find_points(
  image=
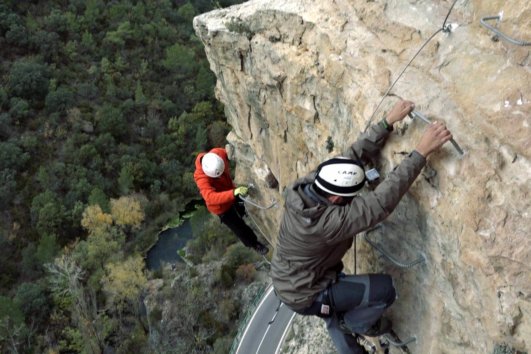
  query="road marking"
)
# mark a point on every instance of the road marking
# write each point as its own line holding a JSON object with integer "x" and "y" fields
{"x": 285, "y": 333}
{"x": 265, "y": 333}
{"x": 252, "y": 317}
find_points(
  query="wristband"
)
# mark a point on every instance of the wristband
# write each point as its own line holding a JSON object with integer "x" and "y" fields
{"x": 386, "y": 125}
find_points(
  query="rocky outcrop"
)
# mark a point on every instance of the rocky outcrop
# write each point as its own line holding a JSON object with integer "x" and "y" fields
{"x": 300, "y": 79}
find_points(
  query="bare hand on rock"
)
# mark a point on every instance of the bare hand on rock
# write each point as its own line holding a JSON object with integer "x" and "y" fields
{"x": 399, "y": 111}
{"x": 434, "y": 137}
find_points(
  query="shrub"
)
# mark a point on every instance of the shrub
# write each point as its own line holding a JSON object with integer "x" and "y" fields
{"x": 246, "y": 273}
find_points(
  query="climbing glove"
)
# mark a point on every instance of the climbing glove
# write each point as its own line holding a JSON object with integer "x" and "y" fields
{"x": 241, "y": 191}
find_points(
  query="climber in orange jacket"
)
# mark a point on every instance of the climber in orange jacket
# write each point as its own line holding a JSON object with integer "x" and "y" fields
{"x": 212, "y": 176}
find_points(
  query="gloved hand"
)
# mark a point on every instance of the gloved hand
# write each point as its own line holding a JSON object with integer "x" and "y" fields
{"x": 241, "y": 191}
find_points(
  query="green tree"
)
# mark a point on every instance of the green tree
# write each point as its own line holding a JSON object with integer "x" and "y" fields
{"x": 48, "y": 213}
{"x": 94, "y": 10}
{"x": 17, "y": 34}
{"x": 48, "y": 44}
{"x": 179, "y": 60}
{"x": 140, "y": 98}
{"x": 210, "y": 237}
{"x": 204, "y": 83}
{"x": 59, "y": 100}
{"x": 12, "y": 327}
{"x": 3, "y": 97}
{"x": 88, "y": 44}
{"x": 104, "y": 245}
{"x": 8, "y": 308}
{"x": 57, "y": 21}
{"x": 238, "y": 254}
{"x": 32, "y": 300}
{"x": 186, "y": 12}
{"x": 8, "y": 187}
{"x": 123, "y": 33}
{"x": 19, "y": 109}
{"x": 98, "y": 197}
{"x": 47, "y": 248}
{"x": 111, "y": 120}
{"x": 126, "y": 178}
{"x": 29, "y": 79}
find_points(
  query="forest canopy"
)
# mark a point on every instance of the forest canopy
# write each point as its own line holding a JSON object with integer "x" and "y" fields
{"x": 103, "y": 107}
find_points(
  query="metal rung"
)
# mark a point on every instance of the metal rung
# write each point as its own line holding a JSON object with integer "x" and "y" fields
{"x": 388, "y": 256}
{"x": 394, "y": 343}
{"x": 250, "y": 202}
{"x": 422, "y": 117}
{"x": 499, "y": 33}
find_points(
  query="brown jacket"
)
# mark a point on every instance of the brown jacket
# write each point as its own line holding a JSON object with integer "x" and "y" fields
{"x": 314, "y": 237}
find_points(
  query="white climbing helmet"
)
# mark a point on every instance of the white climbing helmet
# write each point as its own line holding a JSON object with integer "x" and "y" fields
{"x": 213, "y": 165}
{"x": 340, "y": 176}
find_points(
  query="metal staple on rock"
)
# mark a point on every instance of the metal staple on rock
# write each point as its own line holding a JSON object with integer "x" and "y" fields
{"x": 388, "y": 256}
{"x": 397, "y": 343}
{"x": 248, "y": 201}
{"x": 422, "y": 117}
{"x": 444, "y": 28}
{"x": 499, "y": 33}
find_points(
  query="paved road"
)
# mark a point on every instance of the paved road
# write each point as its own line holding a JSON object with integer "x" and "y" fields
{"x": 260, "y": 336}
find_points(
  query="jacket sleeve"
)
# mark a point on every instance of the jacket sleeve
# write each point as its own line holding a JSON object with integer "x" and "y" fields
{"x": 369, "y": 144}
{"x": 368, "y": 210}
{"x": 209, "y": 193}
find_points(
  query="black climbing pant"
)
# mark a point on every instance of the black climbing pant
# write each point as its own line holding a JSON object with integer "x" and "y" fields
{"x": 356, "y": 303}
{"x": 233, "y": 218}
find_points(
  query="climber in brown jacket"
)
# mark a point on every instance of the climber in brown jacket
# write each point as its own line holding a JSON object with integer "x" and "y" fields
{"x": 323, "y": 213}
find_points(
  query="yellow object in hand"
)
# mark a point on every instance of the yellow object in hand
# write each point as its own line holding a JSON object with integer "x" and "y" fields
{"x": 241, "y": 190}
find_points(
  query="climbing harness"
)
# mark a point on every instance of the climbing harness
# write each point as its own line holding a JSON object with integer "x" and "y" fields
{"x": 387, "y": 255}
{"x": 498, "y": 33}
{"x": 446, "y": 28}
{"x": 418, "y": 115}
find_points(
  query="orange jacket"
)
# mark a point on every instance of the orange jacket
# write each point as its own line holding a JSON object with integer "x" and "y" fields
{"x": 218, "y": 193}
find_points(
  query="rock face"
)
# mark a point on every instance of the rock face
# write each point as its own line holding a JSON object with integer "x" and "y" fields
{"x": 299, "y": 80}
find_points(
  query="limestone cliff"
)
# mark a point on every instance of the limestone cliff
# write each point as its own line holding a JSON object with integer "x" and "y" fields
{"x": 299, "y": 80}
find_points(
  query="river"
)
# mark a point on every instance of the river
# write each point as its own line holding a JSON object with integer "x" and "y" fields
{"x": 170, "y": 241}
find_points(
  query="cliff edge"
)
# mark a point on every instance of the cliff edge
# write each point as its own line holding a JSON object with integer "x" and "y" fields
{"x": 300, "y": 80}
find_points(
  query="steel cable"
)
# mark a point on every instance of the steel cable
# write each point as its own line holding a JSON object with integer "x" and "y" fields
{"x": 443, "y": 28}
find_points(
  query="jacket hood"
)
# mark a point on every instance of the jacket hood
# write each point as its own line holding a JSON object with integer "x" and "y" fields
{"x": 298, "y": 202}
